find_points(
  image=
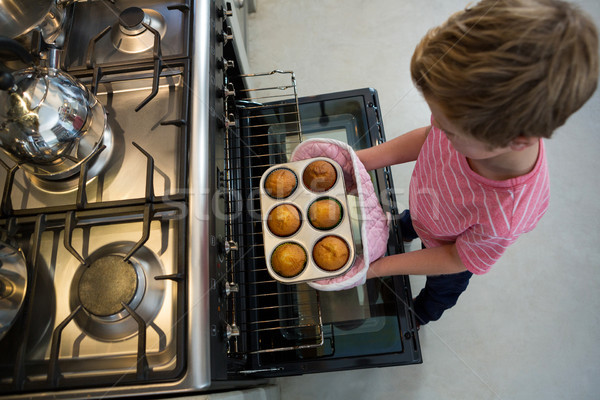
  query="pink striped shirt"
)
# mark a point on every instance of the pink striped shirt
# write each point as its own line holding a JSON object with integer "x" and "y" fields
{"x": 450, "y": 203}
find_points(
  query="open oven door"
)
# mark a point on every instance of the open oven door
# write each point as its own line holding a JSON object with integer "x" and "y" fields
{"x": 294, "y": 329}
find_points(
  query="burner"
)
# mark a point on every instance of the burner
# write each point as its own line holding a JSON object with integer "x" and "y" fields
{"x": 107, "y": 282}
{"x": 129, "y": 35}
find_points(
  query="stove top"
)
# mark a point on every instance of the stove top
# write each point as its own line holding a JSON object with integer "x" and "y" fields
{"x": 109, "y": 298}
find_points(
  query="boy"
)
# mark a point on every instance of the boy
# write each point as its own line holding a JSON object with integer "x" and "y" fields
{"x": 498, "y": 77}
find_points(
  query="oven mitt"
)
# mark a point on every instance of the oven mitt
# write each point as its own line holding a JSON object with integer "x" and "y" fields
{"x": 374, "y": 230}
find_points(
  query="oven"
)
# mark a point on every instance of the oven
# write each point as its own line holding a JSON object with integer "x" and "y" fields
{"x": 146, "y": 270}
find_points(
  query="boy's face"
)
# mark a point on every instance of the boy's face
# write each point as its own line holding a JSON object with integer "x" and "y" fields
{"x": 462, "y": 142}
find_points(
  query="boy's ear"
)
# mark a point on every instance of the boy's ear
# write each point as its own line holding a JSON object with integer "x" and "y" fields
{"x": 522, "y": 142}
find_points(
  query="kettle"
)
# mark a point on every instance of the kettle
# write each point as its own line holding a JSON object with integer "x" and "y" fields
{"x": 49, "y": 122}
{"x": 13, "y": 285}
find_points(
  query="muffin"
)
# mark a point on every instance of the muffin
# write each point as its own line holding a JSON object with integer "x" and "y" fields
{"x": 331, "y": 253}
{"x": 325, "y": 213}
{"x": 319, "y": 176}
{"x": 288, "y": 259}
{"x": 280, "y": 183}
{"x": 284, "y": 220}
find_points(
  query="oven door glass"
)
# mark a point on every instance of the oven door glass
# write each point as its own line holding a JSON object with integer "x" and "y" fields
{"x": 367, "y": 326}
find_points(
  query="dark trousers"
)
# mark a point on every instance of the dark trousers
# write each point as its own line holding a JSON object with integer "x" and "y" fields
{"x": 441, "y": 292}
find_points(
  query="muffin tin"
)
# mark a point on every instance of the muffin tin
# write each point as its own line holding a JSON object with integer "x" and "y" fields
{"x": 307, "y": 235}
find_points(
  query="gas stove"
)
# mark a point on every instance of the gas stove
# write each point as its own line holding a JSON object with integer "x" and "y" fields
{"x": 147, "y": 271}
{"x": 109, "y": 301}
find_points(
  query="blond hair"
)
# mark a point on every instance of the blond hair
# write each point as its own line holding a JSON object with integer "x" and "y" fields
{"x": 509, "y": 68}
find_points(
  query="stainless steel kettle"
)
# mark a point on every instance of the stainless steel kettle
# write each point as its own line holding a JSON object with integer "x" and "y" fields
{"x": 49, "y": 122}
{"x": 13, "y": 285}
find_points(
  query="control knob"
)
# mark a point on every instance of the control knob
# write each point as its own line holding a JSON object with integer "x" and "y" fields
{"x": 229, "y": 121}
{"x": 225, "y": 64}
{"x": 226, "y": 11}
{"x": 226, "y": 91}
{"x": 232, "y": 331}
{"x": 225, "y": 36}
{"x": 230, "y": 246}
{"x": 226, "y": 246}
{"x": 231, "y": 288}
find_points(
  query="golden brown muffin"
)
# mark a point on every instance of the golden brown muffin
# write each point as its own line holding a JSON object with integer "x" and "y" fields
{"x": 280, "y": 183}
{"x": 325, "y": 213}
{"x": 319, "y": 176}
{"x": 284, "y": 220}
{"x": 288, "y": 259}
{"x": 331, "y": 253}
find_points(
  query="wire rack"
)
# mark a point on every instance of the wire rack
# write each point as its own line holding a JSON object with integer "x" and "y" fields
{"x": 270, "y": 316}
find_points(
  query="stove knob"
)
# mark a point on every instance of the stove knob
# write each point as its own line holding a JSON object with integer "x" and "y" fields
{"x": 230, "y": 246}
{"x": 229, "y": 122}
{"x": 231, "y": 288}
{"x": 225, "y": 246}
{"x": 232, "y": 330}
{"x": 225, "y": 36}
{"x": 226, "y": 11}
{"x": 226, "y": 91}
{"x": 225, "y": 64}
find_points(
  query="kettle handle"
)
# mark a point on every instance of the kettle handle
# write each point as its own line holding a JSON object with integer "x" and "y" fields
{"x": 12, "y": 46}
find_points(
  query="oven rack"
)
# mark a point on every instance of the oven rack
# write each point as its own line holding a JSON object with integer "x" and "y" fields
{"x": 263, "y": 128}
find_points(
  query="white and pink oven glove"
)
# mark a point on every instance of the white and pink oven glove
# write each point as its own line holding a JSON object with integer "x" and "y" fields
{"x": 374, "y": 223}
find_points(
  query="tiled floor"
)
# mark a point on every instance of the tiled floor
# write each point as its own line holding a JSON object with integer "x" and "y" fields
{"x": 529, "y": 329}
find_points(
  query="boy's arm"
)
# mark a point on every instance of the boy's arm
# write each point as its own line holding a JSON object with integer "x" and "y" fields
{"x": 434, "y": 261}
{"x": 402, "y": 149}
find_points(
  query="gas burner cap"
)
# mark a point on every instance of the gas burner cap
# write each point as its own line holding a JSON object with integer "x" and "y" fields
{"x": 107, "y": 281}
{"x": 106, "y": 285}
{"x": 129, "y": 35}
{"x": 131, "y": 17}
